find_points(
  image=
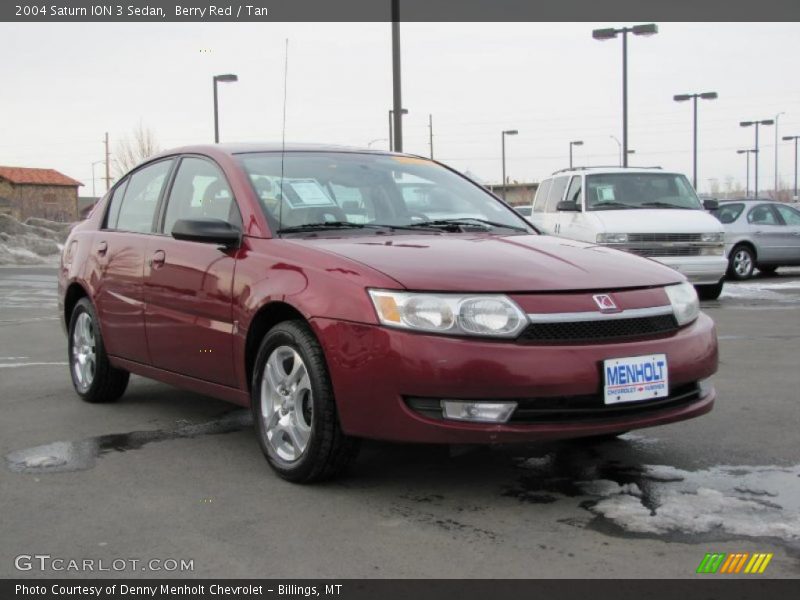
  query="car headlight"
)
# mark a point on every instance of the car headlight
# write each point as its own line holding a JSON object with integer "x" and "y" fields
{"x": 685, "y": 304}
{"x": 717, "y": 237}
{"x": 612, "y": 238}
{"x": 454, "y": 314}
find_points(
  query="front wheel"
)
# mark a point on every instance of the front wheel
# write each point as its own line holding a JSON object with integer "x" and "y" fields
{"x": 741, "y": 263}
{"x": 93, "y": 377}
{"x": 709, "y": 292}
{"x": 294, "y": 410}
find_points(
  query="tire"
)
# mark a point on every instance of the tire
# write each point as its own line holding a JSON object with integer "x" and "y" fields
{"x": 741, "y": 263}
{"x": 768, "y": 269}
{"x": 294, "y": 410}
{"x": 709, "y": 292}
{"x": 93, "y": 377}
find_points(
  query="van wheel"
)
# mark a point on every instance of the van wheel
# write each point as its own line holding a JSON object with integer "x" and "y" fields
{"x": 294, "y": 409}
{"x": 93, "y": 377}
{"x": 741, "y": 263}
{"x": 709, "y": 292}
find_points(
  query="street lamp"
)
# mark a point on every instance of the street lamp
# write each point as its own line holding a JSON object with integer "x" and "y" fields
{"x": 610, "y": 33}
{"x": 227, "y": 78}
{"x": 747, "y": 181}
{"x": 391, "y": 127}
{"x": 571, "y": 144}
{"x": 788, "y": 138}
{"x": 503, "y": 143}
{"x": 755, "y": 149}
{"x": 694, "y": 97}
{"x": 778, "y": 116}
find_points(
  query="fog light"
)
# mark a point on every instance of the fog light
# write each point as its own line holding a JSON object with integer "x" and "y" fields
{"x": 480, "y": 412}
{"x": 705, "y": 387}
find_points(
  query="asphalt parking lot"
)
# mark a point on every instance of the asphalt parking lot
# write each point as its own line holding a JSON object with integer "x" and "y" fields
{"x": 167, "y": 474}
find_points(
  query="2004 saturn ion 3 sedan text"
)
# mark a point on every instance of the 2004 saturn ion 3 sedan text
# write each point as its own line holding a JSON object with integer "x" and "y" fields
{"x": 347, "y": 294}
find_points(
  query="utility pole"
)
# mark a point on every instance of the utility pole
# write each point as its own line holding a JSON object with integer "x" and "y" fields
{"x": 397, "y": 93}
{"x": 430, "y": 132}
{"x": 108, "y": 165}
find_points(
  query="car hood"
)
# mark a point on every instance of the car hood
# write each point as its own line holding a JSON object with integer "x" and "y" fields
{"x": 489, "y": 263}
{"x": 657, "y": 220}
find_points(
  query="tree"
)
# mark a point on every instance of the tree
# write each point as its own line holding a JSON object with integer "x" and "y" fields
{"x": 133, "y": 149}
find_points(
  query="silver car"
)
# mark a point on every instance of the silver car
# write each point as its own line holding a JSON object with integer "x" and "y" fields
{"x": 759, "y": 234}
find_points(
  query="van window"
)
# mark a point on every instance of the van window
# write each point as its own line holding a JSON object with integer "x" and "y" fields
{"x": 574, "y": 191}
{"x": 556, "y": 193}
{"x": 620, "y": 191}
{"x": 540, "y": 201}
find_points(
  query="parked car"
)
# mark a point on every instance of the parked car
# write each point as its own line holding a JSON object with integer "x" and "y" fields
{"x": 759, "y": 234}
{"x": 645, "y": 211}
{"x": 237, "y": 272}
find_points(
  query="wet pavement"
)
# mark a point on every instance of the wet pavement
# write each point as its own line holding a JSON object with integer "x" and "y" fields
{"x": 167, "y": 473}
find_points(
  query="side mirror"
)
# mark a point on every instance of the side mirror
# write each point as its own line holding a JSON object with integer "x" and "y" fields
{"x": 209, "y": 231}
{"x": 565, "y": 206}
{"x": 710, "y": 204}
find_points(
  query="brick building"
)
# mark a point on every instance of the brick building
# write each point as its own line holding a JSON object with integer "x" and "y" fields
{"x": 44, "y": 193}
{"x": 517, "y": 194}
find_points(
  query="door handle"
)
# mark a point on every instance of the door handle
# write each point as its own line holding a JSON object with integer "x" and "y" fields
{"x": 158, "y": 258}
{"x": 102, "y": 248}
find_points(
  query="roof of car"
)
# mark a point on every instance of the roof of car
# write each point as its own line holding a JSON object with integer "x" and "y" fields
{"x": 608, "y": 169}
{"x": 243, "y": 148}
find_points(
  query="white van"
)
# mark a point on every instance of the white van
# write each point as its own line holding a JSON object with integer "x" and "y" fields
{"x": 647, "y": 211}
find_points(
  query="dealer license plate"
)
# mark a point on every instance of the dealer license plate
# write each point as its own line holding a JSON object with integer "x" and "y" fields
{"x": 635, "y": 378}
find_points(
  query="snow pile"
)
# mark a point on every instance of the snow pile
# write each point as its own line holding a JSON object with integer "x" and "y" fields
{"x": 34, "y": 242}
{"x": 757, "y": 501}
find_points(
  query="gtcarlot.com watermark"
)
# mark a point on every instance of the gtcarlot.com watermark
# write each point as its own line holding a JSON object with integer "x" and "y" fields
{"x": 46, "y": 562}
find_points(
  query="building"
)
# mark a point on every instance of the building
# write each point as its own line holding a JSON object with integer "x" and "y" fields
{"x": 517, "y": 194}
{"x": 43, "y": 193}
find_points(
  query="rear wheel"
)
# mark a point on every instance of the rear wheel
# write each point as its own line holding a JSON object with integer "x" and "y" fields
{"x": 294, "y": 410}
{"x": 709, "y": 292}
{"x": 93, "y": 377}
{"x": 741, "y": 263}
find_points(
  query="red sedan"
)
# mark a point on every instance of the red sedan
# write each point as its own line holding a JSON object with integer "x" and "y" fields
{"x": 347, "y": 294}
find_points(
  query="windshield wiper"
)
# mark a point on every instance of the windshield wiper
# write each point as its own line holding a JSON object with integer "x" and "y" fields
{"x": 321, "y": 226}
{"x": 663, "y": 205}
{"x": 611, "y": 204}
{"x": 450, "y": 224}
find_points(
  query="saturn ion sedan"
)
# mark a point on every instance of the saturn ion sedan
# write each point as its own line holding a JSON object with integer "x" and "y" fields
{"x": 346, "y": 294}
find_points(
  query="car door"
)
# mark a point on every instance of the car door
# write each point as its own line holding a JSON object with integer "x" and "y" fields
{"x": 766, "y": 228}
{"x": 790, "y": 239}
{"x": 119, "y": 250}
{"x": 188, "y": 285}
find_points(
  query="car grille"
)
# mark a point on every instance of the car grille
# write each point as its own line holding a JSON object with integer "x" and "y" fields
{"x": 665, "y": 237}
{"x": 569, "y": 408}
{"x": 662, "y": 250}
{"x": 598, "y": 331}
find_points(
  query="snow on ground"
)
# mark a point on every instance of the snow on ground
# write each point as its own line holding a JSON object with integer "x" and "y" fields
{"x": 34, "y": 242}
{"x": 762, "y": 289}
{"x": 753, "y": 501}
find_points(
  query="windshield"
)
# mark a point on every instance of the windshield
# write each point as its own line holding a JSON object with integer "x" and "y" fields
{"x": 619, "y": 191}
{"x": 348, "y": 192}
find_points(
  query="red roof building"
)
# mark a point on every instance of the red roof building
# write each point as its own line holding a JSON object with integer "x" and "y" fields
{"x": 45, "y": 193}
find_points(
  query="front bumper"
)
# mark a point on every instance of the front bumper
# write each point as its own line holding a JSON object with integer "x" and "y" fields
{"x": 375, "y": 370}
{"x": 699, "y": 270}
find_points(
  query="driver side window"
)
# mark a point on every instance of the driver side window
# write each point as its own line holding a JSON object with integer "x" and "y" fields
{"x": 200, "y": 191}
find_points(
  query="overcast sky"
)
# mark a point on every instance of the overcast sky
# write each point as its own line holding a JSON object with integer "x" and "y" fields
{"x": 64, "y": 85}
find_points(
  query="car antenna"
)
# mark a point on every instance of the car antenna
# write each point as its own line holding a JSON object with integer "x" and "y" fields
{"x": 283, "y": 133}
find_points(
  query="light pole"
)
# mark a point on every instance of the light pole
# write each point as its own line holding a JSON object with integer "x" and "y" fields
{"x": 571, "y": 144}
{"x": 778, "y": 116}
{"x": 747, "y": 181}
{"x": 227, "y": 78}
{"x": 397, "y": 96}
{"x": 391, "y": 128}
{"x": 755, "y": 149}
{"x": 788, "y": 138}
{"x": 97, "y": 162}
{"x": 694, "y": 97}
{"x": 503, "y": 143}
{"x": 619, "y": 146}
{"x": 611, "y": 33}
